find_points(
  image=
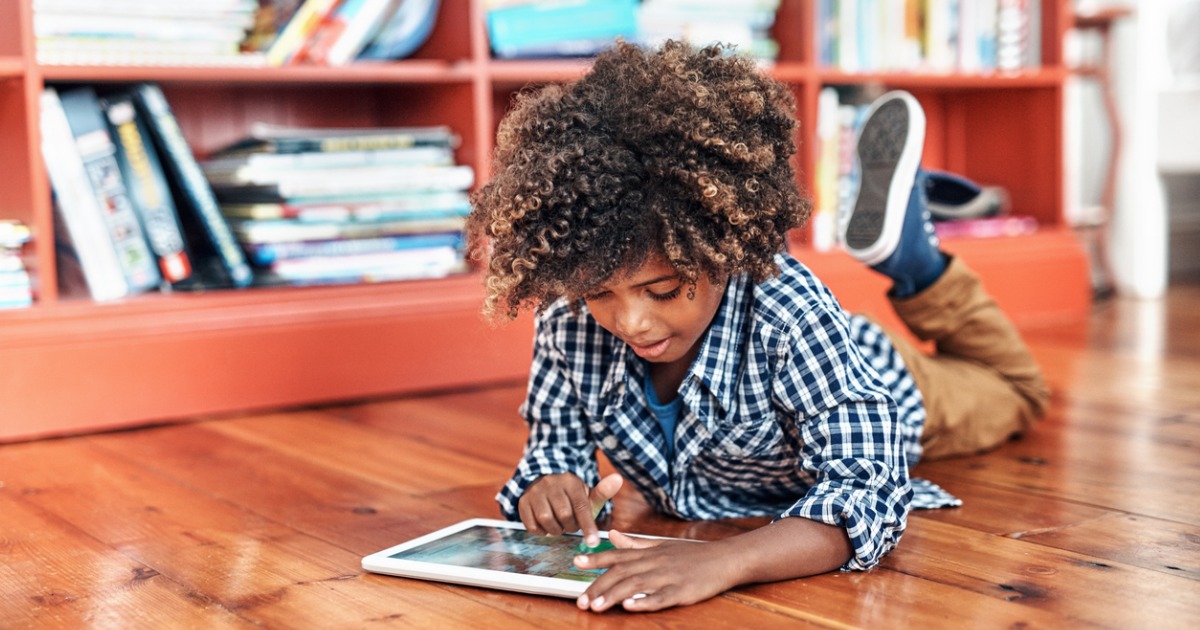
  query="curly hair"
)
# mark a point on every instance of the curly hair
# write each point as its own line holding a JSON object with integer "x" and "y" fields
{"x": 677, "y": 152}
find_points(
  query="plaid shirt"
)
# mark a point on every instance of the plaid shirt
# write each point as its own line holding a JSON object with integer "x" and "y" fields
{"x": 791, "y": 408}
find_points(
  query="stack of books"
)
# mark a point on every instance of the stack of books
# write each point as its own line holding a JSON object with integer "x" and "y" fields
{"x": 743, "y": 24}
{"x": 928, "y": 35}
{"x": 135, "y": 213}
{"x": 137, "y": 33}
{"x": 331, "y": 206}
{"x": 15, "y": 289}
{"x": 580, "y": 28}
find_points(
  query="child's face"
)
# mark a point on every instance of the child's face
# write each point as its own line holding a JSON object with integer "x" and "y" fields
{"x": 650, "y": 310}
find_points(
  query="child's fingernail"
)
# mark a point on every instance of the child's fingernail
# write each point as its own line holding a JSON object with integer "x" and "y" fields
{"x": 598, "y": 603}
{"x": 581, "y": 560}
{"x": 582, "y": 602}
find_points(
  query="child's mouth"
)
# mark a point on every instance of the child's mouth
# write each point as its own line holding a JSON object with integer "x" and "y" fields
{"x": 652, "y": 351}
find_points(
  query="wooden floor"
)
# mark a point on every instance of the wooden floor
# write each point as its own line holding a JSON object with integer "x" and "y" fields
{"x": 1093, "y": 520}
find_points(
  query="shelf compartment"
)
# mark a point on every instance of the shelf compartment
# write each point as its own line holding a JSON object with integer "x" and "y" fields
{"x": 161, "y": 358}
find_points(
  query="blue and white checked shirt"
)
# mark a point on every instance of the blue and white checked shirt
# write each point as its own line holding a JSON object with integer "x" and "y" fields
{"x": 791, "y": 408}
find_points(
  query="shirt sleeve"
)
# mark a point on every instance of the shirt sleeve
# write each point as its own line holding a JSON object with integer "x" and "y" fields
{"x": 559, "y": 440}
{"x": 851, "y": 445}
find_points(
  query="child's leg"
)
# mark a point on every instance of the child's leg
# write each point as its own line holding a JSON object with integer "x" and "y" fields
{"x": 983, "y": 385}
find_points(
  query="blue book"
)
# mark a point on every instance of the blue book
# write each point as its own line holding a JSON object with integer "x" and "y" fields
{"x": 404, "y": 32}
{"x": 541, "y": 25}
{"x": 98, "y": 153}
{"x": 212, "y": 240}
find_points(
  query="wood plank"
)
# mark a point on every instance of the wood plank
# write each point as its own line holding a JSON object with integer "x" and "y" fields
{"x": 1169, "y": 547}
{"x": 263, "y": 571}
{"x": 55, "y": 576}
{"x": 884, "y": 598}
{"x": 1142, "y": 471}
{"x": 359, "y": 515}
{"x": 1076, "y": 586}
{"x": 359, "y": 450}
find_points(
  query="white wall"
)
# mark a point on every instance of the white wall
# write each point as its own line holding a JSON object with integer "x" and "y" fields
{"x": 1138, "y": 223}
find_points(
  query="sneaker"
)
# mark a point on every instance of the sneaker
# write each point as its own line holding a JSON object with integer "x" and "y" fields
{"x": 889, "y": 227}
{"x": 953, "y": 196}
{"x": 888, "y": 148}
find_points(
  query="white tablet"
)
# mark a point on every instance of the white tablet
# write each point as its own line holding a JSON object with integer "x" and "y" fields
{"x": 494, "y": 554}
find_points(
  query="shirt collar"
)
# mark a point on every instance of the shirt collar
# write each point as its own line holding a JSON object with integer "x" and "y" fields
{"x": 716, "y": 365}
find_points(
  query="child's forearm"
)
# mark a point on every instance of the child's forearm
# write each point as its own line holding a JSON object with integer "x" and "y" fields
{"x": 788, "y": 548}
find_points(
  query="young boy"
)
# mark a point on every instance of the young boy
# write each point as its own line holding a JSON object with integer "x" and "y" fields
{"x": 642, "y": 211}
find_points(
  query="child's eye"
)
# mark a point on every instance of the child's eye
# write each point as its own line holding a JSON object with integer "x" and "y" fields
{"x": 665, "y": 297}
{"x": 596, "y": 296}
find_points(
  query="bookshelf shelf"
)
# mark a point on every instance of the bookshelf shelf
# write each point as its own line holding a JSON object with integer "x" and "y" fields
{"x": 419, "y": 71}
{"x": 72, "y": 365}
{"x": 1045, "y": 77}
{"x": 11, "y": 67}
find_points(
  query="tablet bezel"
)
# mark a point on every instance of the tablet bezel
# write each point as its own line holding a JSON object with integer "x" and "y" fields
{"x": 382, "y": 562}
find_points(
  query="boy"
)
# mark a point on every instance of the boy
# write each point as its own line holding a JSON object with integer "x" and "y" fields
{"x": 642, "y": 211}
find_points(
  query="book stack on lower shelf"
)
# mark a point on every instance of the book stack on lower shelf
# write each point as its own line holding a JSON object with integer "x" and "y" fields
{"x": 15, "y": 288}
{"x": 333, "y": 206}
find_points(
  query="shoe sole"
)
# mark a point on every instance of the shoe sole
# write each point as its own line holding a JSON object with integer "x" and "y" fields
{"x": 889, "y": 152}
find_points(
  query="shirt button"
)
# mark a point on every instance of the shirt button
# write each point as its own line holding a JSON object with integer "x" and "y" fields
{"x": 609, "y": 443}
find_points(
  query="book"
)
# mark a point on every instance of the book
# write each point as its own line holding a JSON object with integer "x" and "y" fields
{"x": 986, "y": 227}
{"x": 264, "y": 254}
{"x": 406, "y": 29}
{"x": 211, "y": 239}
{"x": 147, "y": 186}
{"x": 283, "y": 231}
{"x": 406, "y": 264}
{"x": 79, "y": 229}
{"x": 350, "y": 28}
{"x": 383, "y": 209}
{"x": 299, "y": 28}
{"x": 98, "y": 152}
{"x": 517, "y": 27}
{"x": 267, "y": 138}
{"x": 365, "y": 183}
{"x": 256, "y": 167}
{"x": 16, "y": 290}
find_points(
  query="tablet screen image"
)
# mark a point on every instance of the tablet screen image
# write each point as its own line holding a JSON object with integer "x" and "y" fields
{"x": 493, "y": 554}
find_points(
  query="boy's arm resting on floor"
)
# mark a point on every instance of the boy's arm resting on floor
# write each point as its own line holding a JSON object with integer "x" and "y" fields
{"x": 850, "y": 445}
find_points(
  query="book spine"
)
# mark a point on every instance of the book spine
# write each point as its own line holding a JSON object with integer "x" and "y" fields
{"x": 404, "y": 31}
{"x": 82, "y": 225}
{"x": 268, "y": 253}
{"x": 359, "y": 30}
{"x": 298, "y": 30}
{"x": 182, "y": 166}
{"x": 147, "y": 187}
{"x": 98, "y": 152}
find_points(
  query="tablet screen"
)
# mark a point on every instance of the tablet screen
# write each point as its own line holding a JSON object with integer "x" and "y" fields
{"x": 507, "y": 550}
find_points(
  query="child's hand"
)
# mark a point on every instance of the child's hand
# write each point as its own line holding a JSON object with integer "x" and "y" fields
{"x": 563, "y": 503}
{"x": 646, "y": 574}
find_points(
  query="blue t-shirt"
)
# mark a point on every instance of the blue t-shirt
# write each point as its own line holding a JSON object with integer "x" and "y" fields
{"x": 667, "y": 415}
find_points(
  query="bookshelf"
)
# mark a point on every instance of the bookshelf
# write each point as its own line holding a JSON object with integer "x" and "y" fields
{"x": 72, "y": 365}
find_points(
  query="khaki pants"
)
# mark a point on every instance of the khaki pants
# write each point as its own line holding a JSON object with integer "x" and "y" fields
{"x": 981, "y": 386}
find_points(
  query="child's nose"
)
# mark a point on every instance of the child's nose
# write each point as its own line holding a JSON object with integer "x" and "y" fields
{"x": 632, "y": 322}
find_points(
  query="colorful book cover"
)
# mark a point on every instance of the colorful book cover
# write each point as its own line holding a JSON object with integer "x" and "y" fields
{"x": 198, "y": 209}
{"x": 98, "y": 152}
{"x": 147, "y": 187}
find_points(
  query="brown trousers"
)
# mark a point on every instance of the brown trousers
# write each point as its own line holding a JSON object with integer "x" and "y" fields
{"x": 981, "y": 386}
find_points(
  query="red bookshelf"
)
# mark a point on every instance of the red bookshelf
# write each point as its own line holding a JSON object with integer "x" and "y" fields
{"x": 71, "y": 366}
